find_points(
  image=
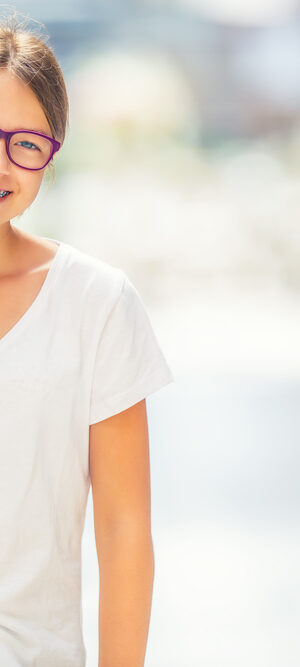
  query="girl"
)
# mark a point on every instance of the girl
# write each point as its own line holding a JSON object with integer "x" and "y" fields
{"x": 78, "y": 356}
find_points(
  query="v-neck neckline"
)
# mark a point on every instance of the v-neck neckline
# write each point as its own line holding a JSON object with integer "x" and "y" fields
{"x": 18, "y": 326}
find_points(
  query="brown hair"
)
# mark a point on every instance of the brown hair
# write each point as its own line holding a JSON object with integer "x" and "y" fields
{"x": 28, "y": 56}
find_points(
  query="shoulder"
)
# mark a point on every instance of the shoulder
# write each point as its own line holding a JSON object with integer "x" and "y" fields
{"x": 92, "y": 276}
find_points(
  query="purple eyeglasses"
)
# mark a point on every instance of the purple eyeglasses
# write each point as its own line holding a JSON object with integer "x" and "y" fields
{"x": 26, "y": 158}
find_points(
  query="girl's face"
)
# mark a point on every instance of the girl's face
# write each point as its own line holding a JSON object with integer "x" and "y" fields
{"x": 19, "y": 110}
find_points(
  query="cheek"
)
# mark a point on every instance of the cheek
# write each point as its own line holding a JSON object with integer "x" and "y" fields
{"x": 25, "y": 191}
{"x": 29, "y": 185}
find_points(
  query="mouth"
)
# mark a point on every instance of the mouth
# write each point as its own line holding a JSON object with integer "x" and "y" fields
{"x": 4, "y": 193}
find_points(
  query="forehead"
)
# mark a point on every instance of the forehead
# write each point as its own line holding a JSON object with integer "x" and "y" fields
{"x": 20, "y": 107}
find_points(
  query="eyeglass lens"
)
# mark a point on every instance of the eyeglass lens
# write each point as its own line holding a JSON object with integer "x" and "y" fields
{"x": 29, "y": 150}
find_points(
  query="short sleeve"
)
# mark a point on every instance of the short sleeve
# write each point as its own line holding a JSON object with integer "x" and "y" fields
{"x": 129, "y": 363}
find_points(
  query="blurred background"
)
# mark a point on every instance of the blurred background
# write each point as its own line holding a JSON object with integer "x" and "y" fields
{"x": 182, "y": 166}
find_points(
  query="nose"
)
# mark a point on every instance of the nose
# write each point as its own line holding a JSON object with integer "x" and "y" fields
{"x": 4, "y": 159}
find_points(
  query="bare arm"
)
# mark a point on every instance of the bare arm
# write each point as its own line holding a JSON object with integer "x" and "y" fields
{"x": 120, "y": 479}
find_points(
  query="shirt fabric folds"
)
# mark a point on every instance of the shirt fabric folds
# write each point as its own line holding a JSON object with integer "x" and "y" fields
{"x": 83, "y": 351}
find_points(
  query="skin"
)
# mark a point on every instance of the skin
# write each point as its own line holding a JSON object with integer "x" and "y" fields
{"x": 120, "y": 479}
{"x": 24, "y": 258}
{"x": 118, "y": 446}
{"x": 19, "y": 251}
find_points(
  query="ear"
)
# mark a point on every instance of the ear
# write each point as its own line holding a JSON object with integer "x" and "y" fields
{"x": 50, "y": 172}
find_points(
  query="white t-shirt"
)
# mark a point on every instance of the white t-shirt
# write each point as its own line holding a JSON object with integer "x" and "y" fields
{"x": 83, "y": 351}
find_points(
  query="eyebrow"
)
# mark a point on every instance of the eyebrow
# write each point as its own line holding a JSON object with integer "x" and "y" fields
{"x": 31, "y": 129}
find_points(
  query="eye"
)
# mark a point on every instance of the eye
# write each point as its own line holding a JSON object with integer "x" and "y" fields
{"x": 28, "y": 144}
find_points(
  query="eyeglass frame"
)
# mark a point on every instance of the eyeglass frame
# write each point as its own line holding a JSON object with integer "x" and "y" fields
{"x": 7, "y": 136}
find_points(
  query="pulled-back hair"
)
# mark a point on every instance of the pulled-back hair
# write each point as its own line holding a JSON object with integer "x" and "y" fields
{"x": 28, "y": 56}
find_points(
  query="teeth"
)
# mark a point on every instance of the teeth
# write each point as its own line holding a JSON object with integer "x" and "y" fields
{"x": 4, "y": 192}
